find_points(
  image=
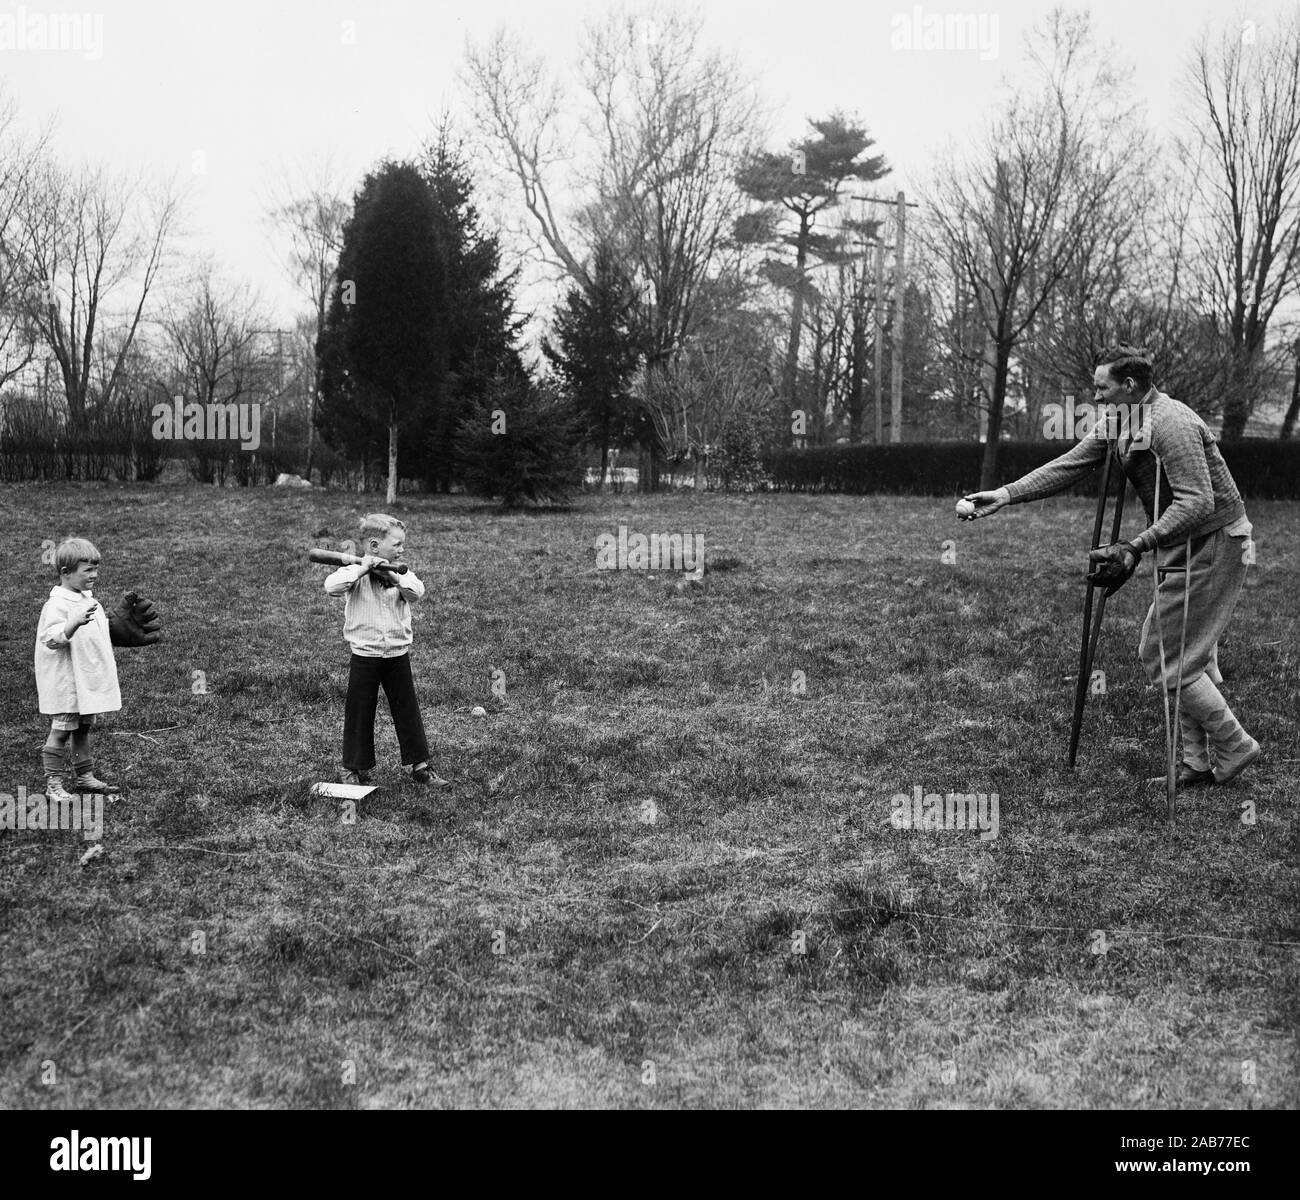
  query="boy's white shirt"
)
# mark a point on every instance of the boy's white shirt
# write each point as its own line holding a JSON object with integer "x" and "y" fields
{"x": 77, "y": 674}
{"x": 376, "y": 619}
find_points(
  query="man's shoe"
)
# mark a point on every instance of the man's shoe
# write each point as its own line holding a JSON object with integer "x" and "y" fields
{"x": 1189, "y": 776}
{"x": 427, "y": 777}
{"x": 356, "y": 778}
{"x": 1231, "y": 747}
{"x": 88, "y": 783}
{"x": 1227, "y": 768}
{"x": 1186, "y": 776}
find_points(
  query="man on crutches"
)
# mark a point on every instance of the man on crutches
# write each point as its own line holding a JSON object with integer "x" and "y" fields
{"x": 1197, "y": 516}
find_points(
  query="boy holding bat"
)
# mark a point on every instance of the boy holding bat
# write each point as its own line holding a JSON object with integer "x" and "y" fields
{"x": 377, "y": 626}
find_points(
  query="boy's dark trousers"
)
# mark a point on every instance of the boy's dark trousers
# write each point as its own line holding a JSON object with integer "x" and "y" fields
{"x": 364, "y": 678}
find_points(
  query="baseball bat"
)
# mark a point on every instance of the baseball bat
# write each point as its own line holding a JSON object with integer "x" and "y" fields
{"x": 334, "y": 558}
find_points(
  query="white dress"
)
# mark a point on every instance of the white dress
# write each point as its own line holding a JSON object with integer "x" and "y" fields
{"x": 77, "y": 674}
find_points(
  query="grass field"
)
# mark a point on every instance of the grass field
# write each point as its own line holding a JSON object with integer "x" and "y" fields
{"x": 662, "y": 875}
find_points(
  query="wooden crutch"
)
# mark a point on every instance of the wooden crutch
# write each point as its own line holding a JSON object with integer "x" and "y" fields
{"x": 1091, "y": 624}
{"x": 1173, "y": 734}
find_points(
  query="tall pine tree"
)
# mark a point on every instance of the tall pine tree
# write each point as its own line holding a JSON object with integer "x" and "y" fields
{"x": 383, "y": 353}
{"x": 481, "y": 352}
{"x": 793, "y": 189}
{"x": 596, "y": 350}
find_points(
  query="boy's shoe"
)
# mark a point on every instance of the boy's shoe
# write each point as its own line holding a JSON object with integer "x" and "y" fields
{"x": 54, "y": 790}
{"x": 355, "y": 777}
{"x": 427, "y": 777}
{"x": 88, "y": 783}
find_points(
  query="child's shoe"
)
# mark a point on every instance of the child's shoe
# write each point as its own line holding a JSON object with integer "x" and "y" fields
{"x": 54, "y": 790}
{"x": 425, "y": 776}
{"x": 88, "y": 783}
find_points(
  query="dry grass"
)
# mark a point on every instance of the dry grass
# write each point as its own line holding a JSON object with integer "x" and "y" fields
{"x": 650, "y": 817}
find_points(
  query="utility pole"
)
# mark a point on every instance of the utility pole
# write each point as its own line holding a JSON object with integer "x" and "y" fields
{"x": 896, "y": 359}
{"x": 879, "y": 308}
{"x": 901, "y": 205}
{"x": 990, "y": 345}
{"x": 857, "y": 407}
{"x": 859, "y": 353}
{"x": 959, "y": 318}
{"x": 645, "y": 472}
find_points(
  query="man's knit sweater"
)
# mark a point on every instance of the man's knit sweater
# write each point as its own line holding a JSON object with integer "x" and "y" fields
{"x": 1197, "y": 492}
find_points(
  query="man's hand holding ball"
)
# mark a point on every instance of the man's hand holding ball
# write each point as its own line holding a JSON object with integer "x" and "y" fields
{"x": 975, "y": 505}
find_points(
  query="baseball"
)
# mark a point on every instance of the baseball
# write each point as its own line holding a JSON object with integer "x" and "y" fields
{"x": 965, "y": 509}
{"x": 478, "y": 711}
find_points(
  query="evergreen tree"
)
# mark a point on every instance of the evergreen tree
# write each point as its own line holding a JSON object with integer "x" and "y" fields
{"x": 525, "y": 449}
{"x": 596, "y": 351}
{"x": 800, "y": 185}
{"x": 482, "y": 327}
{"x": 383, "y": 353}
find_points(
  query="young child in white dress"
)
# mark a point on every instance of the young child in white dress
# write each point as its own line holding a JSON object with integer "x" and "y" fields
{"x": 76, "y": 675}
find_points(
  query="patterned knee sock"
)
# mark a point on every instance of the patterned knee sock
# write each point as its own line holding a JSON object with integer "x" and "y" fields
{"x": 1229, "y": 742}
{"x": 1196, "y": 742}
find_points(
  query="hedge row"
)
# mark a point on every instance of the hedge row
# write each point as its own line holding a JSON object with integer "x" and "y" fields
{"x": 1264, "y": 469}
{"x": 94, "y": 456}
{"x": 91, "y": 456}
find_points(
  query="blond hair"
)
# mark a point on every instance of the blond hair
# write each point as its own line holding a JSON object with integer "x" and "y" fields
{"x": 72, "y": 551}
{"x": 378, "y": 525}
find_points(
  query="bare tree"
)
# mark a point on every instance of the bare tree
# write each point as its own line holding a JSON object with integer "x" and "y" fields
{"x": 213, "y": 341}
{"x": 1245, "y": 127}
{"x": 697, "y": 399}
{"x": 310, "y": 215}
{"x": 659, "y": 132}
{"x": 219, "y": 351}
{"x": 650, "y": 150}
{"x": 92, "y": 236}
{"x": 517, "y": 107}
{"x": 674, "y": 121}
{"x": 19, "y": 158}
{"x": 1138, "y": 290}
{"x": 1050, "y": 193}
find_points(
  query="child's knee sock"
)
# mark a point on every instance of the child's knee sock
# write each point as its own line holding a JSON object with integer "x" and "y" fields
{"x": 81, "y": 761}
{"x": 54, "y": 754}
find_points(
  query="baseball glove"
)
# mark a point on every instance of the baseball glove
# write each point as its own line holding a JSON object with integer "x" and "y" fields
{"x": 135, "y": 623}
{"x": 1115, "y": 565}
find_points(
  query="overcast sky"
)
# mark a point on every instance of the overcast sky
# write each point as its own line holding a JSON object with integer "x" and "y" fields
{"x": 257, "y": 86}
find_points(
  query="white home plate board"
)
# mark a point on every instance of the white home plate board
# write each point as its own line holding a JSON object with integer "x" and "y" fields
{"x": 344, "y": 791}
